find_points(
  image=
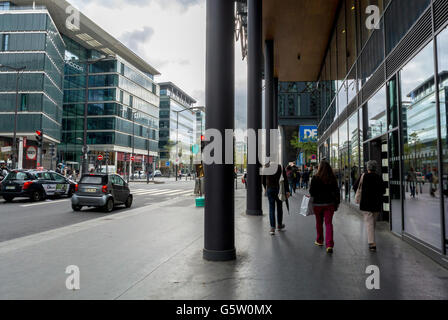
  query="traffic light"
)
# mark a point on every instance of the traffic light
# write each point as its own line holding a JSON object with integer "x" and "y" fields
{"x": 202, "y": 143}
{"x": 107, "y": 155}
{"x": 52, "y": 150}
{"x": 39, "y": 138}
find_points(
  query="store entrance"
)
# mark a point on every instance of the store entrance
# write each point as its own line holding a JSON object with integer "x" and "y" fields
{"x": 378, "y": 151}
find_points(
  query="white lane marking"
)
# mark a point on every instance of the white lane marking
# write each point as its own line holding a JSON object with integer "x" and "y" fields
{"x": 150, "y": 191}
{"x": 177, "y": 194}
{"x": 44, "y": 202}
{"x": 160, "y": 193}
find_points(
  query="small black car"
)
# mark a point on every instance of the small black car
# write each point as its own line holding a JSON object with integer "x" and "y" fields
{"x": 36, "y": 185}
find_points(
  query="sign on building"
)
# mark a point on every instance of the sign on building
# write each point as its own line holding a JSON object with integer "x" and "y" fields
{"x": 308, "y": 133}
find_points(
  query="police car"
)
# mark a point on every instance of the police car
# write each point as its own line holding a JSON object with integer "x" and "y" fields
{"x": 36, "y": 185}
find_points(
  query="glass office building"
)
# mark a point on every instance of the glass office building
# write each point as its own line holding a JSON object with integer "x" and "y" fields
{"x": 298, "y": 105}
{"x": 29, "y": 39}
{"x": 67, "y": 68}
{"x": 178, "y": 127}
{"x": 383, "y": 97}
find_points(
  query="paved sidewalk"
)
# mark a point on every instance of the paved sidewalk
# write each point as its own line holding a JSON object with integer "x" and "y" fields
{"x": 156, "y": 253}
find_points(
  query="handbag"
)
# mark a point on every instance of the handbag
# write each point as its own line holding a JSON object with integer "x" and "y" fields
{"x": 306, "y": 208}
{"x": 359, "y": 191}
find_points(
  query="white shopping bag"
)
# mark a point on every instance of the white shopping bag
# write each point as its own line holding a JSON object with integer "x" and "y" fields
{"x": 306, "y": 209}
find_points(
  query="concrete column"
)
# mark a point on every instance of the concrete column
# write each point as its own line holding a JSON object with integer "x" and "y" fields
{"x": 20, "y": 160}
{"x": 269, "y": 90}
{"x": 275, "y": 118}
{"x": 219, "y": 220}
{"x": 254, "y": 103}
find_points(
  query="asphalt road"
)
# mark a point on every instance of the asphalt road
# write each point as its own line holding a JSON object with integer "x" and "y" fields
{"x": 22, "y": 217}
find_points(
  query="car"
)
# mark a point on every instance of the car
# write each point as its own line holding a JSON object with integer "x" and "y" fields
{"x": 101, "y": 190}
{"x": 36, "y": 185}
{"x": 157, "y": 173}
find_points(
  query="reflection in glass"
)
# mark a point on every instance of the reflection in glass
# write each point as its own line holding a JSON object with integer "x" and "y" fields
{"x": 420, "y": 155}
{"x": 376, "y": 110}
{"x": 343, "y": 154}
{"x": 353, "y": 135}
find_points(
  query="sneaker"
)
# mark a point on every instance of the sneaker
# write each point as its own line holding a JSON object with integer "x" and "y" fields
{"x": 281, "y": 228}
{"x": 272, "y": 232}
{"x": 329, "y": 250}
{"x": 318, "y": 244}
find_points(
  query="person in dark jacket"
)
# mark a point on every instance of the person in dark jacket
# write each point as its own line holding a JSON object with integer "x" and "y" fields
{"x": 290, "y": 174}
{"x": 372, "y": 191}
{"x": 326, "y": 198}
{"x": 272, "y": 186}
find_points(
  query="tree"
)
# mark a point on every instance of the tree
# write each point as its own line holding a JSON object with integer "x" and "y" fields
{"x": 308, "y": 147}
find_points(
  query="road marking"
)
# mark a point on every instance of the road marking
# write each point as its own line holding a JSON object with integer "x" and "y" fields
{"x": 44, "y": 202}
{"x": 150, "y": 191}
{"x": 177, "y": 194}
{"x": 160, "y": 193}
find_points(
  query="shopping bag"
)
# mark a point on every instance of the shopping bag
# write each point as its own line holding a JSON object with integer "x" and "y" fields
{"x": 306, "y": 208}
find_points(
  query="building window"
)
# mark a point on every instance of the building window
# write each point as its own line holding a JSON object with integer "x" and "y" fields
{"x": 420, "y": 154}
{"x": 442, "y": 53}
{"x": 376, "y": 114}
{"x": 5, "y": 42}
{"x": 24, "y": 102}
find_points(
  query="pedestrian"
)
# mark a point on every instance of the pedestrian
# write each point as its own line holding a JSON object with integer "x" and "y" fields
{"x": 271, "y": 183}
{"x": 297, "y": 177}
{"x": 326, "y": 199}
{"x": 3, "y": 171}
{"x": 245, "y": 179}
{"x": 305, "y": 179}
{"x": 411, "y": 181}
{"x": 291, "y": 179}
{"x": 370, "y": 190}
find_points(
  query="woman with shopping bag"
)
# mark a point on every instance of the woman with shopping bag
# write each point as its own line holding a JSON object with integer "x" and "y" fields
{"x": 369, "y": 196}
{"x": 326, "y": 199}
{"x": 276, "y": 187}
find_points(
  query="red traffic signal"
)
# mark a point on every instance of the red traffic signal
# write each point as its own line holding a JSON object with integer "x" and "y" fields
{"x": 202, "y": 138}
{"x": 39, "y": 133}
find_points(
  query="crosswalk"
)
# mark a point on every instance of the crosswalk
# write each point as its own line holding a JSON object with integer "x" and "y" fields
{"x": 158, "y": 192}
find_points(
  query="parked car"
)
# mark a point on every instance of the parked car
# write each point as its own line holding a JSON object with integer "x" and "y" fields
{"x": 36, "y": 185}
{"x": 157, "y": 173}
{"x": 101, "y": 191}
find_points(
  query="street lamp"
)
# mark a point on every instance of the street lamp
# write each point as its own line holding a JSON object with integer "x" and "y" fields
{"x": 88, "y": 63}
{"x": 177, "y": 132}
{"x": 14, "y": 142}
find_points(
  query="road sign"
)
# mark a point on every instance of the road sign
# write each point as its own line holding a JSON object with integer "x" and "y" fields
{"x": 31, "y": 153}
{"x": 132, "y": 158}
{"x": 167, "y": 164}
{"x": 6, "y": 149}
{"x": 100, "y": 157}
{"x": 308, "y": 134}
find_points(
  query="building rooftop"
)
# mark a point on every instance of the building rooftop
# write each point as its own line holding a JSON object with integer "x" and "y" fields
{"x": 90, "y": 35}
{"x": 174, "y": 88}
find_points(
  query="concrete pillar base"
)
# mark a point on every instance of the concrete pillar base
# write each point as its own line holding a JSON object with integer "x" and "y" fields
{"x": 213, "y": 255}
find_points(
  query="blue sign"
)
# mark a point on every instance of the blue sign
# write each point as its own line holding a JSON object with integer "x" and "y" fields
{"x": 308, "y": 134}
{"x": 167, "y": 164}
{"x": 300, "y": 160}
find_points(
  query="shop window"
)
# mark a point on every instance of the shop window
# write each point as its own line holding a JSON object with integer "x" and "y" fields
{"x": 420, "y": 153}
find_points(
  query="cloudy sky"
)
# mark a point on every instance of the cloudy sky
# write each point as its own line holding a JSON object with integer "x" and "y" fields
{"x": 169, "y": 35}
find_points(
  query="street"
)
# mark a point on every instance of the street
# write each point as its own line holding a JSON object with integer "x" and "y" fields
{"x": 23, "y": 217}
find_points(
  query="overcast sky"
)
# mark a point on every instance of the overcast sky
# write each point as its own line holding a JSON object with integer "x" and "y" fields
{"x": 169, "y": 35}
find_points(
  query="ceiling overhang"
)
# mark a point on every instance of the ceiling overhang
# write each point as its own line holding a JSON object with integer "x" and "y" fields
{"x": 301, "y": 30}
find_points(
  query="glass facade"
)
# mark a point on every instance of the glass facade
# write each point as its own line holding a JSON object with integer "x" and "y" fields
{"x": 122, "y": 107}
{"x": 397, "y": 118}
{"x": 178, "y": 127}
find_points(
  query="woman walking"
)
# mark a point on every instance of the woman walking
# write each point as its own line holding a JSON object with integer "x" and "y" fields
{"x": 326, "y": 199}
{"x": 369, "y": 193}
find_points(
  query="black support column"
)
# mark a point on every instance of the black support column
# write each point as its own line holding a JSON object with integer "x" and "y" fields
{"x": 269, "y": 91}
{"x": 219, "y": 235}
{"x": 254, "y": 102}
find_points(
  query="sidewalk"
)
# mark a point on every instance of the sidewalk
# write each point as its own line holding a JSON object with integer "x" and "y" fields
{"x": 156, "y": 253}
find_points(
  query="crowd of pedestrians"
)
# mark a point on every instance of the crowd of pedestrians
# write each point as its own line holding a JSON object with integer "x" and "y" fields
{"x": 325, "y": 198}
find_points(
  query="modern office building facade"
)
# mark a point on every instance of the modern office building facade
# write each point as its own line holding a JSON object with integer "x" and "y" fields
{"x": 29, "y": 39}
{"x": 298, "y": 105}
{"x": 387, "y": 103}
{"x": 92, "y": 69}
{"x": 178, "y": 128}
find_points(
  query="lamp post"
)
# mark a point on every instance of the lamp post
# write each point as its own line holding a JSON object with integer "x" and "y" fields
{"x": 14, "y": 142}
{"x": 177, "y": 132}
{"x": 88, "y": 63}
